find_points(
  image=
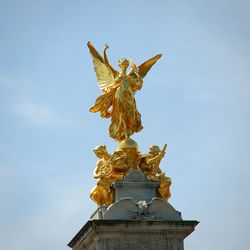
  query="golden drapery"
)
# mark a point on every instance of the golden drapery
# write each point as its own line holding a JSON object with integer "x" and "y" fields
{"x": 119, "y": 104}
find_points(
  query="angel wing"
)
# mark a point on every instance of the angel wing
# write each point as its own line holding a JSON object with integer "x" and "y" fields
{"x": 104, "y": 71}
{"x": 143, "y": 69}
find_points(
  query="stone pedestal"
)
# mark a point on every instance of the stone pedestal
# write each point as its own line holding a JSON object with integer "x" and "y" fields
{"x": 132, "y": 234}
{"x": 137, "y": 219}
{"x": 135, "y": 185}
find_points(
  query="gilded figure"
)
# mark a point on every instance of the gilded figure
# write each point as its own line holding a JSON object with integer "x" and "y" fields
{"x": 164, "y": 189}
{"x": 109, "y": 168}
{"x": 150, "y": 165}
{"x": 102, "y": 193}
{"x": 117, "y": 100}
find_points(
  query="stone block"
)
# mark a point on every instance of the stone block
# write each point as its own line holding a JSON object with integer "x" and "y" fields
{"x": 132, "y": 234}
{"x": 136, "y": 186}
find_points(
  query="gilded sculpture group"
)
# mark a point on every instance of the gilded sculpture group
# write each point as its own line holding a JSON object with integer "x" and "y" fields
{"x": 111, "y": 168}
{"x": 118, "y": 103}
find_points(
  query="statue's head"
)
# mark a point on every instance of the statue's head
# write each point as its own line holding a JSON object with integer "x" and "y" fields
{"x": 123, "y": 64}
{"x": 155, "y": 150}
{"x": 100, "y": 150}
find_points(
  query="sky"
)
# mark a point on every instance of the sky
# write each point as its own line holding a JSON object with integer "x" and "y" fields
{"x": 196, "y": 99}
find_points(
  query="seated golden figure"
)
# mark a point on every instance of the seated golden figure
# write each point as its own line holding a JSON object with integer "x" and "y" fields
{"x": 150, "y": 165}
{"x": 109, "y": 169}
{"x": 102, "y": 193}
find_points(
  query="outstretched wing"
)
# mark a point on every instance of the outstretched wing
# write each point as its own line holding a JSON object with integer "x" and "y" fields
{"x": 146, "y": 66}
{"x": 104, "y": 74}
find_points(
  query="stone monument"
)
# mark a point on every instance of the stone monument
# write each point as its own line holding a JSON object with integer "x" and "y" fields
{"x": 132, "y": 191}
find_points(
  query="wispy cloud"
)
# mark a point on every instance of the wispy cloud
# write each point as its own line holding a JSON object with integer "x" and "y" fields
{"x": 21, "y": 95}
{"x": 39, "y": 113}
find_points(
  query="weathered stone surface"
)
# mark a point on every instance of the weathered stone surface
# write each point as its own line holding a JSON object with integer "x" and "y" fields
{"x": 128, "y": 208}
{"x": 135, "y": 197}
{"x": 137, "y": 220}
{"x": 136, "y": 186}
{"x": 131, "y": 234}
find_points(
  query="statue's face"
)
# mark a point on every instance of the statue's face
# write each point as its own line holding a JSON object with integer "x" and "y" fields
{"x": 154, "y": 150}
{"x": 99, "y": 150}
{"x": 123, "y": 63}
{"x": 99, "y": 153}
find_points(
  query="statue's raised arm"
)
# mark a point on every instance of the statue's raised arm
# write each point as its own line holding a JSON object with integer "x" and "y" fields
{"x": 117, "y": 101}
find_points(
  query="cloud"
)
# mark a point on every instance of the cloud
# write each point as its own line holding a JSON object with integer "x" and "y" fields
{"x": 38, "y": 113}
{"x": 22, "y": 95}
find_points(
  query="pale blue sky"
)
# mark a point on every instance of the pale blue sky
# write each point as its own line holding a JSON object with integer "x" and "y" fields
{"x": 196, "y": 99}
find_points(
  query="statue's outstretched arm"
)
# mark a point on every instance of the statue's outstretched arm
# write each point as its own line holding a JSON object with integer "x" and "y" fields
{"x": 106, "y": 61}
{"x": 143, "y": 69}
{"x": 155, "y": 159}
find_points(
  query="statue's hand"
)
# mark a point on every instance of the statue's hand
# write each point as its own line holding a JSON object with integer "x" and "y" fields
{"x": 132, "y": 65}
{"x": 106, "y": 46}
{"x": 162, "y": 154}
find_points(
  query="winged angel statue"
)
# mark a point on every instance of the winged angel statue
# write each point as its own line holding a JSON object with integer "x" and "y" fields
{"x": 117, "y": 100}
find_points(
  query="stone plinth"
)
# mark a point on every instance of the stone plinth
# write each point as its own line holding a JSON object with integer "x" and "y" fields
{"x": 132, "y": 234}
{"x": 137, "y": 219}
{"x": 128, "y": 209}
{"x": 136, "y": 198}
{"x": 136, "y": 185}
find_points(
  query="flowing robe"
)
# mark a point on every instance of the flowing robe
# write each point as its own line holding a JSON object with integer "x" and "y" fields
{"x": 119, "y": 103}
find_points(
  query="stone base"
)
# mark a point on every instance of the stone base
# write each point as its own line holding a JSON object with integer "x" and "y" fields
{"x": 132, "y": 234}
{"x": 129, "y": 209}
{"x": 136, "y": 185}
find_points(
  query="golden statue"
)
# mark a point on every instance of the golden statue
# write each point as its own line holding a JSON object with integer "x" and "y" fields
{"x": 102, "y": 193}
{"x": 117, "y": 100}
{"x": 109, "y": 169}
{"x": 118, "y": 103}
{"x": 150, "y": 165}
